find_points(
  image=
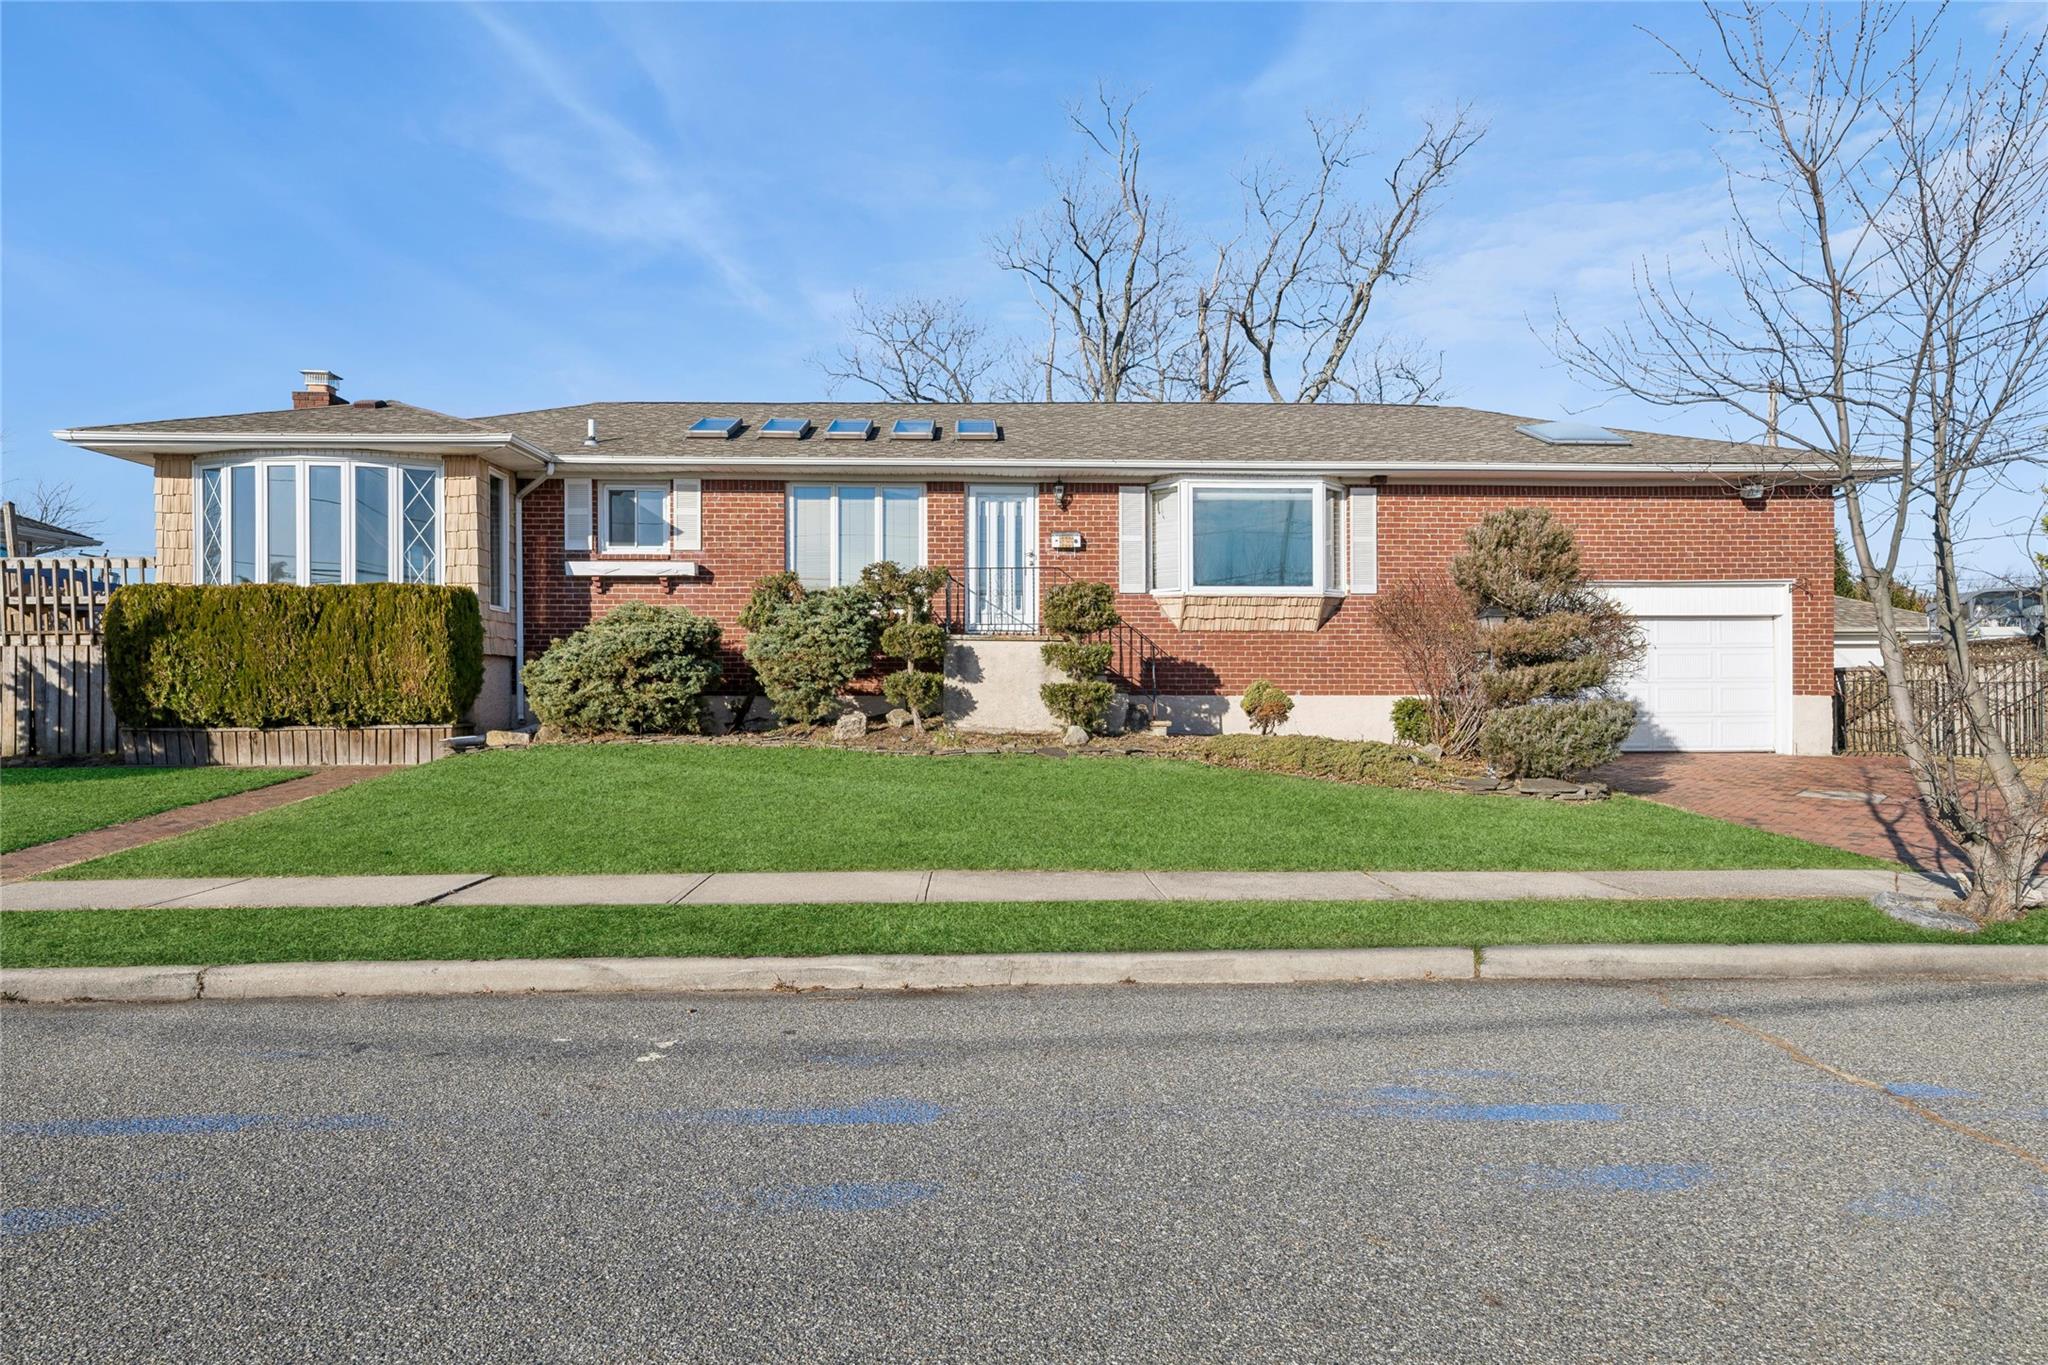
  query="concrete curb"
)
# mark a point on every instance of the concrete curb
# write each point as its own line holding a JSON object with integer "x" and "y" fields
{"x": 1758, "y": 961}
{"x": 623, "y": 975}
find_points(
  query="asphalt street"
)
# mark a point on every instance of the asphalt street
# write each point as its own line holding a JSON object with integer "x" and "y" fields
{"x": 1431, "y": 1172}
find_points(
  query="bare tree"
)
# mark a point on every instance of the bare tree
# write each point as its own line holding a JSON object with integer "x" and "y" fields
{"x": 1886, "y": 272}
{"x": 915, "y": 350}
{"x": 1393, "y": 371}
{"x": 61, "y": 504}
{"x": 1104, "y": 262}
{"x": 1319, "y": 258}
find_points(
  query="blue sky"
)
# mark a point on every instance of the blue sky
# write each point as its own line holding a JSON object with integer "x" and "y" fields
{"x": 487, "y": 208}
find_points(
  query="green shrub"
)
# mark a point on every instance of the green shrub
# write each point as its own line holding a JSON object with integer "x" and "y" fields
{"x": 278, "y": 654}
{"x": 904, "y": 598}
{"x": 1556, "y": 739}
{"x": 770, "y": 595}
{"x": 915, "y": 642}
{"x": 1343, "y": 760}
{"x": 1411, "y": 719}
{"x": 916, "y": 691}
{"x": 1080, "y": 662}
{"x": 641, "y": 670}
{"x": 1074, "y": 609}
{"x": 811, "y": 649}
{"x": 1266, "y": 706}
{"x": 1078, "y": 703}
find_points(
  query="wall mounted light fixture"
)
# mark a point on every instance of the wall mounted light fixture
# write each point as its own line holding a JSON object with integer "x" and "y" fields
{"x": 1059, "y": 493}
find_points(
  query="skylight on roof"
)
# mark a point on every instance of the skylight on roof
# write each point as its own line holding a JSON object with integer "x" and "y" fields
{"x": 913, "y": 429}
{"x": 1573, "y": 434}
{"x": 976, "y": 429}
{"x": 717, "y": 428}
{"x": 849, "y": 429}
{"x": 789, "y": 428}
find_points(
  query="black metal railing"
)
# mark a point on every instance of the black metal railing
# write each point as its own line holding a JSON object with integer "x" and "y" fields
{"x": 999, "y": 600}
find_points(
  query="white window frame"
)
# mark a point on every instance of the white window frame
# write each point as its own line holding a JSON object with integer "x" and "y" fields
{"x": 605, "y": 544}
{"x": 302, "y": 461}
{"x": 1320, "y": 553}
{"x": 832, "y": 522}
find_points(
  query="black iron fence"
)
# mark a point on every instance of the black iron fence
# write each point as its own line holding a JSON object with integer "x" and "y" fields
{"x": 2015, "y": 683}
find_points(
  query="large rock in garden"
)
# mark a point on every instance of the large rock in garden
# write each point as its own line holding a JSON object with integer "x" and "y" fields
{"x": 1075, "y": 736}
{"x": 852, "y": 725}
{"x": 898, "y": 718}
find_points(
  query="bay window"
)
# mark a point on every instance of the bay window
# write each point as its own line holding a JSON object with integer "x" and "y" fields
{"x": 836, "y": 530}
{"x": 1213, "y": 536}
{"x": 297, "y": 518}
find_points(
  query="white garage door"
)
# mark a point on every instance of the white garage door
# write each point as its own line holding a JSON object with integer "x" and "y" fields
{"x": 1707, "y": 682}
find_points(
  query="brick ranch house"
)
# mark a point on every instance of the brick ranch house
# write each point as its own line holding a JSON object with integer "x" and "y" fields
{"x": 1245, "y": 540}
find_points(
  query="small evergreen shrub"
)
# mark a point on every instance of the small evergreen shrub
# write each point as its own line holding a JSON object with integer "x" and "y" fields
{"x": 1075, "y": 609}
{"x": 1556, "y": 739}
{"x": 905, "y": 598}
{"x": 770, "y": 595}
{"x": 811, "y": 649}
{"x": 918, "y": 692}
{"x": 1266, "y": 706}
{"x": 1412, "y": 720}
{"x": 640, "y": 670}
{"x": 1078, "y": 703}
{"x": 1341, "y": 760}
{"x": 278, "y": 654}
{"x": 1077, "y": 660}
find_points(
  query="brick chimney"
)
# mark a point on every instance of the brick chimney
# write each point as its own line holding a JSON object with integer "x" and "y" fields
{"x": 323, "y": 390}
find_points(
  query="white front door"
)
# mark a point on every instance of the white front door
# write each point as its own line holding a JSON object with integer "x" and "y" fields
{"x": 1002, "y": 558}
{"x": 1707, "y": 682}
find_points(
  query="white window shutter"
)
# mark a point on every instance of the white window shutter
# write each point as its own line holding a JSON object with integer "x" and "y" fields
{"x": 1166, "y": 531}
{"x": 576, "y": 514}
{"x": 1130, "y": 537}
{"x": 1365, "y": 541}
{"x": 686, "y": 514}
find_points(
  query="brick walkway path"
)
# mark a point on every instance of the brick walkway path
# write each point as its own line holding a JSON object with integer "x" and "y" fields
{"x": 98, "y": 843}
{"x": 1763, "y": 792}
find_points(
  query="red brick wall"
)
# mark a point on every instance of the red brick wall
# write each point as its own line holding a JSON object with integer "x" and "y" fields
{"x": 743, "y": 542}
{"x": 1629, "y": 533}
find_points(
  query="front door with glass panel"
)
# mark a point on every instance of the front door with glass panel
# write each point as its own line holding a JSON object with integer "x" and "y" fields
{"x": 1002, "y": 558}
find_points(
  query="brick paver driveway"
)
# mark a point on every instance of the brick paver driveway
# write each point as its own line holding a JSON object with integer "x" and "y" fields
{"x": 1774, "y": 792}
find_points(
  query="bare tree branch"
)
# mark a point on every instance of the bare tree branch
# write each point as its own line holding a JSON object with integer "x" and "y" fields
{"x": 915, "y": 350}
{"x": 1885, "y": 270}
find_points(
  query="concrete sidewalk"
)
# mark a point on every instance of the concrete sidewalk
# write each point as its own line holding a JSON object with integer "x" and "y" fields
{"x": 853, "y": 888}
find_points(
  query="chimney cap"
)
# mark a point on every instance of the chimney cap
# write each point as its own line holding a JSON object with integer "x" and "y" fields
{"x": 321, "y": 379}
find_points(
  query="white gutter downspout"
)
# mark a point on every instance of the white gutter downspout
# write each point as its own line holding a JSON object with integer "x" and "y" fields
{"x": 519, "y": 594}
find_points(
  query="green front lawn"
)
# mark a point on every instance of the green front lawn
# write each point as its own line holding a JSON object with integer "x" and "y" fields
{"x": 67, "y": 938}
{"x": 718, "y": 808}
{"x": 41, "y": 804}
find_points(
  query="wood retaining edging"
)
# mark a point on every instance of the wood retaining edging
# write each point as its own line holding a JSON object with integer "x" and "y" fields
{"x": 617, "y": 975}
{"x": 287, "y": 746}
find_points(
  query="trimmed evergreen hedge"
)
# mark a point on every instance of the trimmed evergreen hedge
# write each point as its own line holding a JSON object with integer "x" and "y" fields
{"x": 275, "y": 654}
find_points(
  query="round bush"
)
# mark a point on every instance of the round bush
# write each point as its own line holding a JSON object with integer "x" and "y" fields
{"x": 1081, "y": 608}
{"x": 1266, "y": 705}
{"x": 1555, "y": 739}
{"x": 1411, "y": 719}
{"x": 812, "y": 649}
{"x": 642, "y": 670}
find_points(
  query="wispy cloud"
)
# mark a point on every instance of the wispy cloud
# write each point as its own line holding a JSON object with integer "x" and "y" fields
{"x": 589, "y": 170}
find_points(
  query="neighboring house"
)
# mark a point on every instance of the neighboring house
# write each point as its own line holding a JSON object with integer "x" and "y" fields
{"x": 24, "y": 535}
{"x": 1246, "y": 540}
{"x": 1856, "y": 632}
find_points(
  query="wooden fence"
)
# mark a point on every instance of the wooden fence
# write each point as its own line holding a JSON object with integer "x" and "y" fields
{"x": 53, "y": 676}
{"x": 2015, "y": 680}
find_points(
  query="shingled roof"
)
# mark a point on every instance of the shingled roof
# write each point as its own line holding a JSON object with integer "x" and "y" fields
{"x": 374, "y": 417}
{"x": 1277, "y": 433}
{"x": 1067, "y": 435}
